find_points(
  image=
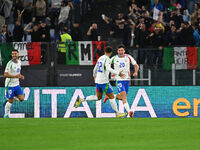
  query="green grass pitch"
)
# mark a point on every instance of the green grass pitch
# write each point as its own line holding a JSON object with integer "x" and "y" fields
{"x": 100, "y": 134}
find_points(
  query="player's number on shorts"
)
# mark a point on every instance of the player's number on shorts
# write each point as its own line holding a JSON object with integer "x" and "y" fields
{"x": 9, "y": 93}
{"x": 119, "y": 86}
{"x": 122, "y": 65}
{"x": 100, "y": 67}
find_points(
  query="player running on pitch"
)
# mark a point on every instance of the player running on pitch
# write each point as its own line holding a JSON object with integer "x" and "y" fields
{"x": 12, "y": 87}
{"x": 101, "y": 76}
{"x": 122, "y": 62}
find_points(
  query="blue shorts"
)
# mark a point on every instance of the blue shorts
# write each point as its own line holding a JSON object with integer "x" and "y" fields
{"x": 122, "y": 86}
{"x": 13, "y": 91}
{"x": 104, "y": 88}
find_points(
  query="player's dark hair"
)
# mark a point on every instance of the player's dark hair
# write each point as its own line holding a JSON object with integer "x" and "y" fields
{"x": 15, "y": 50}
{"x": 108, "y": 49}
{"x": 121, "y": 46}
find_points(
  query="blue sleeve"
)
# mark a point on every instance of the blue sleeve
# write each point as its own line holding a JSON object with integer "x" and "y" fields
{"x": 152, "y": 6}
{"x": 160, "y": 7}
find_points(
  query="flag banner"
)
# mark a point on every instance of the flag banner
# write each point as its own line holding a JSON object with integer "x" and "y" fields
{"x": 72, "y": 53}
{"x": 34, "y": 53}
{"x": 29, "y": 52}
{"x": 85, "y": 53}
{"x": 5, "y": 54}
{"x": 23, "y": 54}
{"x": 182, "y": 57}
{"x": 98, "y": 50}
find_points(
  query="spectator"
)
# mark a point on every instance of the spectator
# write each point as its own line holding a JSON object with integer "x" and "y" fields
{"x": 76, "y": 32}
{"x": 45, "y": 31}
{"x": 186, "y": 34}
{"x": 178, "y": 4}
{"x": 193, "y": 5}
{"x": 196, "y": 6}
{"x": 40, "y": 10}
{"x": 147, "y": 20}
{"x": 160, "y": 25}
{"x": 17, "y": 6}
{"x": 196, "y": 35}
{"x": 120, "y": 16}
{"x": 166, "y": 4}
{"x": 153, "y": 25}
{"x": 130, "y": 3}
{"x": 131, "y": 35}
{"x": 28, "y": 10}
{"x": 156, "y": 5}
{"x": 141, "y": 3}
{"x": 34, "y": 31}
{"x": 5, "y": 35}
{"x": 142, "y": 36}
{"x": 195, "y": 19}
{"x": 54, "y": 12}
{"x": 157, "y": 41}
{"x": 93, "y": 32}
{"x": 64, "y": 14}
{"x": 120, "y": 28}
{"x": 64, "y": 37}
{"x": 112, "y": 25}
{"x": 18, "y": 32}
{"x": 186, "y": 16}
{"x": 142, "y": 42}
{"x": 121, "y": 31}
{"x": 134, "y": 12}
{"x": 172, "y": 37}
{"x": 169, "y": 25}
{"x": 79, "y": 10}
{"x": 181, "y": 2}
{"x": 140, "y": 21}
{"x": 6, "y": 8}
{"x": 9, "y": 21}
{"x": 176, "y": 17}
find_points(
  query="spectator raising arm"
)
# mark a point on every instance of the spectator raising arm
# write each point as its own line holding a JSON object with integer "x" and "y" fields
{"x": 27, "y": 27}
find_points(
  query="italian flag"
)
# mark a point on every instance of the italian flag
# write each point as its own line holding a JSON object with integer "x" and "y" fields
{"x": 5, "y": 53}
{"x": 72, "y": 53}
{"x": 182, "y": 57}
{"x": 84, "y": 52}
{"x": 29, "y": 52}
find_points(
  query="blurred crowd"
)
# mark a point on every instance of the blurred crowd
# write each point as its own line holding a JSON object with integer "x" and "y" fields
{"x": 41, "y": 20}
{"x": 156, "y": 24}
{"x": 148, "y": 23}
